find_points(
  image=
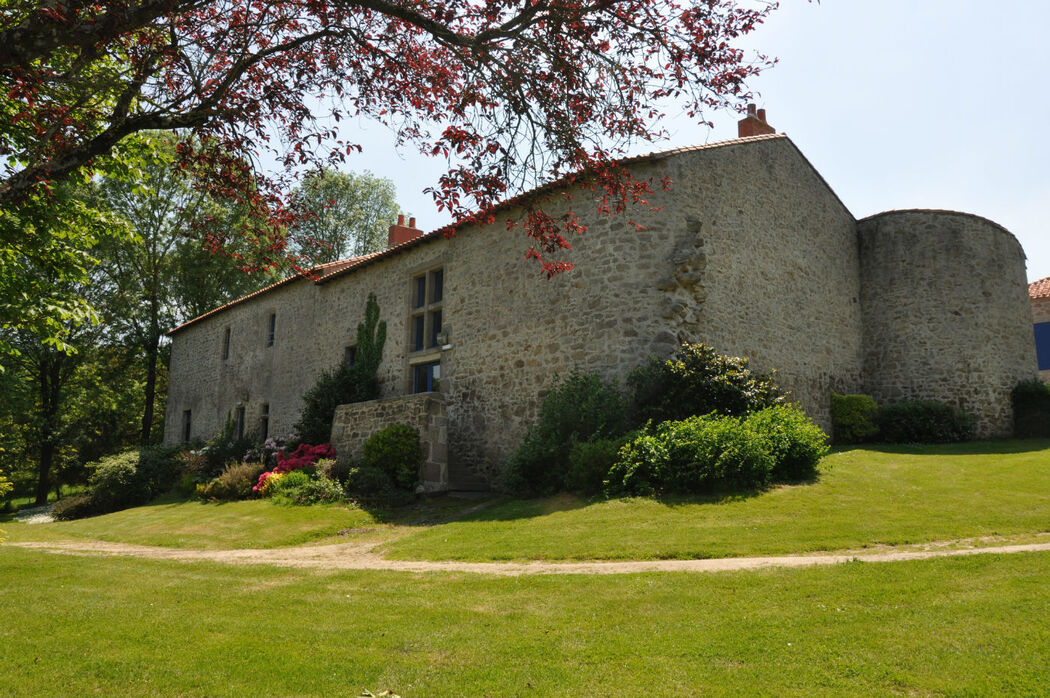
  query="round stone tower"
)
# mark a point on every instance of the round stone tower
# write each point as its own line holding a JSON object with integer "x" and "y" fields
{"x": 945, "y": 310}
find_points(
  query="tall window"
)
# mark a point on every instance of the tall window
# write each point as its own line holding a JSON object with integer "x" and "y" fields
{"x": 226, "y": 344}
{"x": 264, "y": 422}
{"x": 187, "y": 424}
{"x": 240, "y": 423}
{"x": 350, "y": 356}
{"x": 428, "y": 291}
{"x": 271, "y": 329}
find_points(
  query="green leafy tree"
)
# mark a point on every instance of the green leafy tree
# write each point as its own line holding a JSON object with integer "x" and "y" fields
{"x": 346, "y": 214}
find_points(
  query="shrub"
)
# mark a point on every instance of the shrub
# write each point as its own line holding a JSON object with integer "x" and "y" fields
{"x": 333, "y": 468}
{"x": 1031, "y": 402}
{"x": 590, "y": 462}
{"x": 303, "y": 457}
{"x": 697, "y": 455}
{"x": 924, "y": 421}
{"x": 854, "y": 418}
{"x": 76, "y": 506}
{"x": 795, "y": 443}
{"x": 301, "y": 488}
{"x": 5, "y": 487}
{"x": 225, "y": 448}
{"x": 236, "y": 482}
{"x": 395, "y": 450}
{"x": 366, "y": 481}
{"x": 697, "y": 380}
{"x": 582, "y": 408}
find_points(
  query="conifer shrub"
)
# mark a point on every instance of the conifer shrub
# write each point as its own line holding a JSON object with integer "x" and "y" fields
{"x": 924, "y": 421}
{"x": 854, "y": 418}
{"x": 396, "y": 452}
{"x": 1031, "y": 402}
{"x": 697, "y": 380}
{"x": 584, "y": 407}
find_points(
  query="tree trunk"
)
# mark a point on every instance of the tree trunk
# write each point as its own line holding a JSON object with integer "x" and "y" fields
{"x": 50, "y": 369}
{"x": 150, "y": 391}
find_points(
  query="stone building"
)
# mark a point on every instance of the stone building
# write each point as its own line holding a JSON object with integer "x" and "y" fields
{"x": 749, "y": 251}
{"x": 1039, "y": 292}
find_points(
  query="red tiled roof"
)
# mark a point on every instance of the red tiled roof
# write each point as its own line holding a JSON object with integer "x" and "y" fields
{"x": 1040, "y": 288}
{"x": 332, "y": 270}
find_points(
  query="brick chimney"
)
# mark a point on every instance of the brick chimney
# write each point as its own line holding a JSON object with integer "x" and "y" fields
{"x": 754, "y": 124}
{"x": 400, "y": 232}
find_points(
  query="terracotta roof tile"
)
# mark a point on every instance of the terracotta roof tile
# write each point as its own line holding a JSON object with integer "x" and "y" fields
{"x": 1040, "y": 288}
{"x": 332, "y": 270}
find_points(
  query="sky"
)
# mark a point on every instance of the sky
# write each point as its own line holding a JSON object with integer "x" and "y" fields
{"x": 897, "y": 103}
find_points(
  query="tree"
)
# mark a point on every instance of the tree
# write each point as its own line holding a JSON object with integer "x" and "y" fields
{"x": 511, "y": 92}
{"x": 165, "y": 274}
{"x": 347, "y": 215}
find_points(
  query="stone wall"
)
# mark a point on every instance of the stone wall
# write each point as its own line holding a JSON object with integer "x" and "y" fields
{"x": 424, "y": 412}
{"x": 1041, "y": 313}
{"x": 946, "y": 315}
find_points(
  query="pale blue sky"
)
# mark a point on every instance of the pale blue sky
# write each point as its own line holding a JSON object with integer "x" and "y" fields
{"x": 898, "y": 103}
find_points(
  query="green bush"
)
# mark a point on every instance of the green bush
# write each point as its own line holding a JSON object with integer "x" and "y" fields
{"x": 77, "y": 506}
{"x": 1031, "y": 401}
{"x": 333, "y": 468}
{"x": 395, "y": 450}
{"x": 367, "y": 481}
{"x": 697, "y": 380}
{"x": 300, "y": 488}
{"x": 854, "y": 418}
{"x": 590, "y": 462}
{"x": 792, "y": 439}
{"x": 924, "y": 421}
{"x": 235, "y": 483}
{"x": 222, "y": 450}
{"x": 698, "y": 455}
{"x": 582, "y": 408}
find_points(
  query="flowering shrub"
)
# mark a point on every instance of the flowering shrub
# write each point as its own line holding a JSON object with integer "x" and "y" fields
{"x": 267, "y": 451}
{"x": 302, "y": 457}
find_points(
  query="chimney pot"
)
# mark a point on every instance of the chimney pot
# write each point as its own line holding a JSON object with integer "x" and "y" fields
{"x": 761, "y": 114}
{"x": 751, "y": 110}
{"x": 400, "y": 219}
{"x": 412, "y": 222}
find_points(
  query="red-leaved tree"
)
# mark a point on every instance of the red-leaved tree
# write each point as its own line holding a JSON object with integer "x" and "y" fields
{"x": 513, "y": 92}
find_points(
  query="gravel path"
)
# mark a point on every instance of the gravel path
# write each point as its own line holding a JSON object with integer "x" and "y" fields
{"x": 361, "y": 556}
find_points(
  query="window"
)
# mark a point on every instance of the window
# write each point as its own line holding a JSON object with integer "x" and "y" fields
{"x": 187, "y": 424}
{"x": 1042, "y": 345}
{"x": 264, "y": 422}
{"x": 272, "y": 329}
{"x": 240, "y": 423}
{"x": 425, "y": 323}
{"x": 226, "y": 344}
{"x": 426, "y": 377}
{"x": 350, "y": 356}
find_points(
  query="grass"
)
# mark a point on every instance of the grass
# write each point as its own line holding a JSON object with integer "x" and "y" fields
{"x": 863, "y": 498}
{"x": 191, "y": 524}
{"x": 78, "y": 626}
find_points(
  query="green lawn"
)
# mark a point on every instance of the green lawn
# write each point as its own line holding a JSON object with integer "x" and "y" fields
{"x": 863, "y": 498}
{"x": 249, "y": 524}
{"x": 79, "y": 626}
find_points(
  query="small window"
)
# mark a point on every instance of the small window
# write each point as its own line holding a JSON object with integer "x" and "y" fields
{"x": 426, "y": 377}
{"x": 264, "y": 422}
{"x": 226, "y": 344}
{"x": 187, "y": 424}
{"x": 350, "y": 356}
{"x": 272, "y": 330}
{"x": 239, "y": 420}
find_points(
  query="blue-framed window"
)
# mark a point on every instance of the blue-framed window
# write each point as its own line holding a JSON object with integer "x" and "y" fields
{"x": 1042, "y": 345}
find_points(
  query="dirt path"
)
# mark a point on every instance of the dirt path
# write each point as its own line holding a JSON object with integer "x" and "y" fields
{"x": 361, "y": 556}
